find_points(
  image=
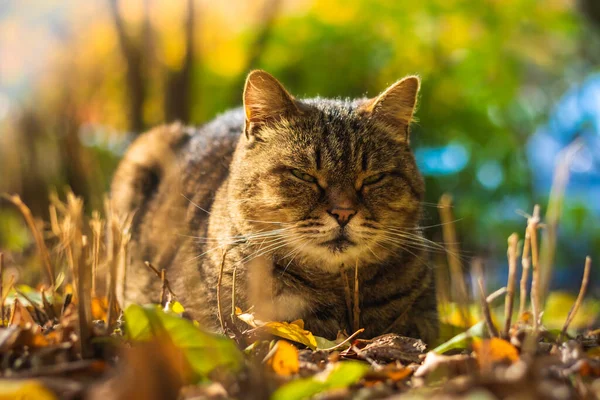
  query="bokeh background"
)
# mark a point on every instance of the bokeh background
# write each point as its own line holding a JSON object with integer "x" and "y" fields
{"x": 507, "y": 85}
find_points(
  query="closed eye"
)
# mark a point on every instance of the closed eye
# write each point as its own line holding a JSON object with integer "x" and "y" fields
{"x": 373, "y": 179}
{"x": 303, "y": 176}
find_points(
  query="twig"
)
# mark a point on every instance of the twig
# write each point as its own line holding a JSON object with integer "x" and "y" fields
{"x": 348, "y": 296}
{"x": 233, "y": 294}
{"x": 9, "y": 287}
{"x": 580, "y": 296}
{"x": 526, "y": 265}
{"x": 513, "y": 241}
{"x": 368, "y": 359}
{"x": 485, "y": 307}
{"x": 164, "y": 287}
{"x": 348, "y": 339}
{"x": 114, "y": 245}
{"x": 532, "y": 226}
{"x": 356, "y": 310}
{"x": 1, "y": 283}
{"x": 96, "y": 224}
{"x": 219, "y": 283}
{"x": 554, "y": 211}
{"x": 494, "y": 295}
{"x": 37, "y": 235}
{"x": 457, "y": 278}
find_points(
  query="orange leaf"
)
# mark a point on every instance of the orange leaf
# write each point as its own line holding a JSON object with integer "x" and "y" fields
{"x": 494, "y": 350}
{"x": 284, "y": 359}
{"x": 99, "y": 308}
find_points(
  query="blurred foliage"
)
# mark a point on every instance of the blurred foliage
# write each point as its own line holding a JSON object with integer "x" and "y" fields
{"x": 490, "y": 70}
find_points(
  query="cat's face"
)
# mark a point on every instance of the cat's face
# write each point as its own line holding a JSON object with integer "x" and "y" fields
{"x": 328, "y": 182}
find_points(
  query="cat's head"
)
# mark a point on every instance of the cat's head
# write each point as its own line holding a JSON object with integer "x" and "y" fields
{"x": 328, "y": 182}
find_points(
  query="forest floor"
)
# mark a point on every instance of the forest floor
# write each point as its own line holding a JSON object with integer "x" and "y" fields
{"x": 68, "y": 337}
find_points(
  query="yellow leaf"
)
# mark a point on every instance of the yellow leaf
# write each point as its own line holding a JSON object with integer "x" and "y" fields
{"x": 494, "y": 350}
{"x": 290, "y": 331}
{"x": 24, "y": 389}
{"x": 299, "y": 323}
{"x": 177, "y": 308}
{"x": 284, "y": 359}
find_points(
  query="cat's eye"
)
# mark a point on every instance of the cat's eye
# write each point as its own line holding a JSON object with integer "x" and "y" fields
{"x": 373, "y": 179}
{"x": 303, "y": 175}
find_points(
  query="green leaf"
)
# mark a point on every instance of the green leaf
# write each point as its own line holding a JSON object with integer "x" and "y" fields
{"x": 204, "y": 351}
{"x": 323, "y": 343}
{"x": 459, "y": 341}
{"x": 342, "y": 375}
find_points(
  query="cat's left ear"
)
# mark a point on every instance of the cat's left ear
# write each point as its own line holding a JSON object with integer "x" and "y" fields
{"x": 265, "y": 101}
{"x": 395, "y": 107}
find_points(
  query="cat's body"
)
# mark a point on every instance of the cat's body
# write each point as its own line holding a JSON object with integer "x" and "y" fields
{"x": 282, "y": 192}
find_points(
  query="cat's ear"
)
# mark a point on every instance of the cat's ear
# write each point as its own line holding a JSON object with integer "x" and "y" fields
{"x": 265, "y": 99}
{"x": 395, "y": 107}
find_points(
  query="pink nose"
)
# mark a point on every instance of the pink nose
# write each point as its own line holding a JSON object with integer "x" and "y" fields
{"x": 342, "y": 215}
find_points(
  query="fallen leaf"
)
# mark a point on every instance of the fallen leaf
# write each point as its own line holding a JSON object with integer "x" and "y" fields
{"x": 204, "y": 351}
{"x": 25, "y": 389}
{"x": 461, "y": 340}
{"x": 494, "y": 350}
{"x": 20, "y": 316}
{"x": 284, "y": 359}
{"x": 290, "y": 331}
{"x": 99, "y": 308}
{"x": 392, "y": 347}
{"x": 340, "y": 375}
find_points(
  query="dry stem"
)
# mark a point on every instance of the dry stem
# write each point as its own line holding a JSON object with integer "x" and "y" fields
{"x": 554, "y": 211}
{"x": 348, "y": 296}
{"x": 96, "y": 224}
{"x": 233, "y": 294}
{"x": 580, "y": 296}
{"x": 513, "y": 241}
{"x": 526, "y": 264}
{"x": 532, "y": 227}
{"x": 494, "y": 295}
{"x": 219, "y": 283}
{"x": 1, "y": 283}
{"x": 456, "y": 273}
{"x": 356, "y": 310}
{"x": 37, "y": 235}
{"x": 485, "y": 307}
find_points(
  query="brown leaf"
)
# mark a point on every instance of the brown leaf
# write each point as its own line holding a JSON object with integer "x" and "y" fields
{"x": 392, "y": 347}
{"x": 20, "y": 316}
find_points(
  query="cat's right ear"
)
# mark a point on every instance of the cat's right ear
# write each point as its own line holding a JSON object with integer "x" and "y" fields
{"x": 265, "y": 100}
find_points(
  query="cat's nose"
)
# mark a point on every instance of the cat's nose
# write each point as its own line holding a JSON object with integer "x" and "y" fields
{"x": 342, "y": 215}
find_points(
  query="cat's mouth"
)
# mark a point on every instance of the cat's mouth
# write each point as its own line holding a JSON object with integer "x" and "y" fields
{"x": 339, "y": 244}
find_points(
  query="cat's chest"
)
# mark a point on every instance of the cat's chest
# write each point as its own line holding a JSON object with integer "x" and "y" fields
{"x": 272, "y": 299}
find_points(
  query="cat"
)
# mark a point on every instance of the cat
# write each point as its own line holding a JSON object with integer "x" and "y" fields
{"x": 292, "y": 198}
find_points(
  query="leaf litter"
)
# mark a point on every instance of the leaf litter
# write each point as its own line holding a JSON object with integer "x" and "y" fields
{"x": 69, "y": 338}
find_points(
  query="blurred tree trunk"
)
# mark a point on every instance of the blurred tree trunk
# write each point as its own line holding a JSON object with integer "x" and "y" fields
{"x": 591, "y": 10}
{"x": 178, "y": 96}
{"x": 134, "y": 57}
{"x": 269, "y": 13}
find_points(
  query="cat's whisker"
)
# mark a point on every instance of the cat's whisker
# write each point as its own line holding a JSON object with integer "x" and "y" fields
{"x": 227, "y": 218}
{"x": 268, "y": 249}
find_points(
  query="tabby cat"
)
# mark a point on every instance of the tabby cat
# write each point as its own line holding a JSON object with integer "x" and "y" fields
{"x": 289, "y": 197}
